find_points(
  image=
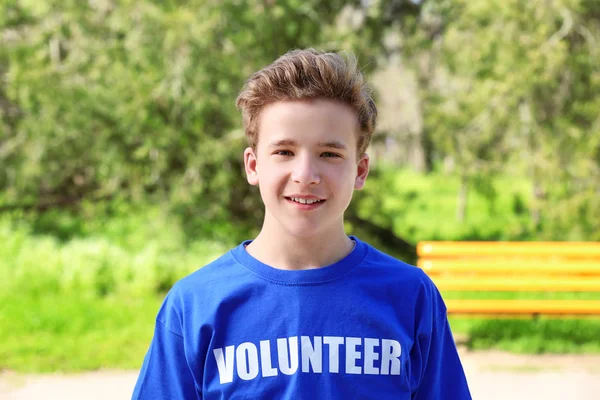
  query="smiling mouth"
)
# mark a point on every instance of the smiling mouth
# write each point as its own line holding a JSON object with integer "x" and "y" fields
{"x": 304, "y": 201}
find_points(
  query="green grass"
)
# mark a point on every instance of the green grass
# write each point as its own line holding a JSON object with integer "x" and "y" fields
{"x": 74, "y": 333}
{"x": 88, "y": 301}
{"x": 533, "y": 335}
{"x": 529, "y": 334}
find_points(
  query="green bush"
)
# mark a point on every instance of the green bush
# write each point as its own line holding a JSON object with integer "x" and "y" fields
{"x": 418, "y": 207}
{"x": 86, "y": 298}
{"x": 537, "y": 335}
{"x": 136, "y": 255}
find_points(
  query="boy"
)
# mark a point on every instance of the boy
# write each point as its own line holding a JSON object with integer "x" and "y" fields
{"x": 304, "y": 311}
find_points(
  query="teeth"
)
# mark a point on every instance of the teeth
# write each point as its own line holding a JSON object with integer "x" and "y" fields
{"x": 305, "y": 201}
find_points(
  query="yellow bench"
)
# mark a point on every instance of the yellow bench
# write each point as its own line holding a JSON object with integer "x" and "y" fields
{"x": 514, "y": 267}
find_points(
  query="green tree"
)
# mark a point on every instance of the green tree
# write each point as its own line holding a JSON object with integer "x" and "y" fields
{"x": 136, "y": 98}
{"x": 511, "y": 87}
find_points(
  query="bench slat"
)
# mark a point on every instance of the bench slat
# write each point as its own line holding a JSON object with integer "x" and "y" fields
{"x": 573, "y": 307}
{"x": 573, "y": 249}
{"x": 515, "y": 284}
{"x": 521, "y": 266}
{"x": 514, "y": 267}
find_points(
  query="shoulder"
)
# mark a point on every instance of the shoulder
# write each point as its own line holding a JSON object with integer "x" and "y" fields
{"x": 202, "y": 289}
{"x": 377, "y": 261}
{"x": 218, "y": 271}
{"x": 404, "y": 278}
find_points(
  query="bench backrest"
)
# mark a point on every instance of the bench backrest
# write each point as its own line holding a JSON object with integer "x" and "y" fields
{"x": 512, "y": 266}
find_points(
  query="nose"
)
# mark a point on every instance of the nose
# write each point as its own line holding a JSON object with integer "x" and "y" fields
{"x": 305, "y": 171}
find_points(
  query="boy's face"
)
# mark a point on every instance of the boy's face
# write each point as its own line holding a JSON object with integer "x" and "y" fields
{"x": 306, "y": 165}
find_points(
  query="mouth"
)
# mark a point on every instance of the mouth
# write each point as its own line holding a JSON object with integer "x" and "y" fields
{"x": 302, "y": 200}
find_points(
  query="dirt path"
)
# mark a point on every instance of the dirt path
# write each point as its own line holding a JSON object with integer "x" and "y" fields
{"x": 496, "y": 375}
{"x": 492, "y": 376}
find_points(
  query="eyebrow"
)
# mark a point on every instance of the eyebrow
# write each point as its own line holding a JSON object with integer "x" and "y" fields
{"x": 334, "y": 144}
{"x": 283, "y": 142}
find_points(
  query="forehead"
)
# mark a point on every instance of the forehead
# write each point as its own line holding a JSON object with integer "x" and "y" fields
{"x": 308, "y": 121}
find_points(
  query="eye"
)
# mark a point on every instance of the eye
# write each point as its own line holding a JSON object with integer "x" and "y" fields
{"x": 283, "y": 153}
{"x": 329, "y": 154}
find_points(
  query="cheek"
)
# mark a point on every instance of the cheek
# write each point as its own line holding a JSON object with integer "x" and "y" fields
{"x": 345, "y": 174}
{"x": 342, "y": 180}
{"x": 271, "y": 179}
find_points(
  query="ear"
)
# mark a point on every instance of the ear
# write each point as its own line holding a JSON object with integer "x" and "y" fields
{"x": 362, "y": 171}
{"x": 250, "y": 166}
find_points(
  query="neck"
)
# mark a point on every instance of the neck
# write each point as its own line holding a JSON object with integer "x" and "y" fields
{"x": 287, "y": 251}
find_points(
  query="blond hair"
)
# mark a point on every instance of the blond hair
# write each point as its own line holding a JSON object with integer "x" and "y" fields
{"x": 309, "y": 75}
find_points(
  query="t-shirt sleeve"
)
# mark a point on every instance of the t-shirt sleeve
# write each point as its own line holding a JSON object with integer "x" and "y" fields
{"x": 165, "y": 373}
{"x": 443, "y": 376}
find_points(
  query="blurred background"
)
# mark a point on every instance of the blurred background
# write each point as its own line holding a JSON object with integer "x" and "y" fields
{"x": 121, "y": 150}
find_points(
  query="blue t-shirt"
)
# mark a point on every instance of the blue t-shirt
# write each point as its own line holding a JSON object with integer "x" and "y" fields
{"x": 366, "y": 327}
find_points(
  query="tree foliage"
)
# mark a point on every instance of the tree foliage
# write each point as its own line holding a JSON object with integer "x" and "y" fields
{"x": 134, "y": 99}
{"x": 511, "y": 87}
